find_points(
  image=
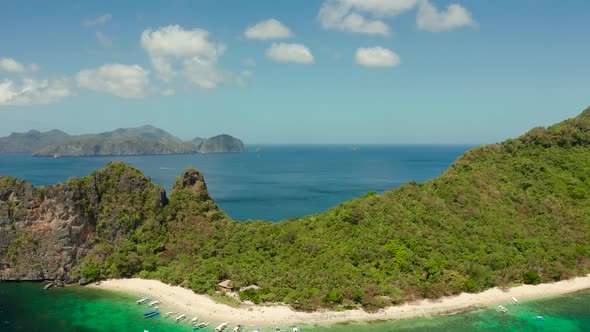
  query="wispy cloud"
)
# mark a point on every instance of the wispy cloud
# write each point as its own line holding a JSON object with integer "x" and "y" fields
{"x": 125, "y": 81}
{"x": 104, "y": 40}
{"x": 100, "y": 20}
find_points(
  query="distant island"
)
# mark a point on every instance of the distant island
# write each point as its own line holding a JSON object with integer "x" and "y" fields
{"x": 120, "y": 142}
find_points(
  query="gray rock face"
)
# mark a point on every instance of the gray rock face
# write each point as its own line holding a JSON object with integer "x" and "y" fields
{"x": 46, "y": 231}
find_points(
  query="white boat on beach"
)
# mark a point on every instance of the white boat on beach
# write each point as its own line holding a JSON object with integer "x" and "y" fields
{"x": 295, "y": 329}
{"x": 180, "y": 318}
{"x": 514, "y": 300}
{"x": 221, "y": 327}
{"x": 238, "y": 328}
{"x": 501, "y": 308}
{"x": 194, "y": 320}
{"x": 144, "y": 300}
{"x": 168, "y": 314}
{"x": 154, "y": 303}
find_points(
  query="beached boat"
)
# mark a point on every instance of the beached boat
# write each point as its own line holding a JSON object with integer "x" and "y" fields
{"x": 180, "y": 318}
{"x": 514, "y": 301}
{"x": 501, "y": 308}
{"x": 151, "y": 314}
{"x": 144, "y": 300}
{"x": 539, "y": 318}
{"x": 194, "y": 320}
{"x": 200, "y": 326}
{"x": 295, "y": 329}
{"x": 221, "y": 327}
{"x": 238, "y": 328}
{"x": 168, "y": 314}
{"x": 153, "y": 303}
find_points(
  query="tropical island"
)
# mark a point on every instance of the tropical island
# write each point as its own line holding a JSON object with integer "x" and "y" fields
{"x": 502, "y": 215}
{"x": 120, "y": 142}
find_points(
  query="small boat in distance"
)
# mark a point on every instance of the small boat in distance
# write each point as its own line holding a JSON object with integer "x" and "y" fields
{"x": 168, "y": 314}
{"x": 539, "y": 318}
{"x": 501, "y": 308}
{"x": 221, "y": 327}
{"x": 180, "y": 318}
{"x": 200, "y": 326}
{"x": 514, "y": 301}
{"x": 238, "y": 328}
{"x": 195, "y": 320}
{"x": 295, "y": 329}
{"x": 144, "y": 300}
{"x": 151, "y": 314}
{"x": 154, "y": 303}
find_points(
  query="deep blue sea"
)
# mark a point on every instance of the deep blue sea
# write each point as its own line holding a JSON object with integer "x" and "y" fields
{"x": 275, "y": 183}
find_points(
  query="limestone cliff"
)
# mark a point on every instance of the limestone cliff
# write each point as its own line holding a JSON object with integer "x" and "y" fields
{"x": 45, "y": 232}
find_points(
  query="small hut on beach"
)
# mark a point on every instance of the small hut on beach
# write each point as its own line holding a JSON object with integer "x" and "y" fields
{"x": 225, "y": 286}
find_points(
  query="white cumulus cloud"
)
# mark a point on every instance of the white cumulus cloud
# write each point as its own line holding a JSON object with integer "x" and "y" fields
{"x": 269, "y": 29}
{"x": 10, "y": 65}
{"x": 377, "y": 57}
{"x": 104, "y": 40}
{"x": 33, "y": 91}
{"x": 430, "y": 19}
{"x": 350, "y": 15}
{"x": 100, "y": 20}
{"x": 126, "y": 81}
{"x": 283, "y": 52}
{"x": 173, "y": 47}
{"x": 367, "y": 16}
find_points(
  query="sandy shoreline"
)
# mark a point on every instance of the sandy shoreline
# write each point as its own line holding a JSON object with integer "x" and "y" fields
{"x": 185, "y": 301}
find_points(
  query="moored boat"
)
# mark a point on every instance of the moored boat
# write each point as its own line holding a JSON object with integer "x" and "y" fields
{"x": 539, "y": 318}
{"x": 221, "y": 327}
{"x": 153, "y": 303}
{"x": 501, "y": 308}
{"x": 180, "y": 318}
{"x": 295, "y": 329}
{"x": 144, "y": 300}
{"x": 195, "y": 320}
{"x": 200, "y": 326}
{"x": 168, "y": 314}
{"x": 151, "y": 314}
{"x": 238, "y": 328}
{"x": 514, "y": 300}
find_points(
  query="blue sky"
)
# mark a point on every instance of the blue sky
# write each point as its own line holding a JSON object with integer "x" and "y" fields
{"x": 329, "y": 71}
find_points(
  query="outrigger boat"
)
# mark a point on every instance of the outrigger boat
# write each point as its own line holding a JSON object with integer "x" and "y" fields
{"x": 180, "y": 318}
{"x": 221, "y": 327}
{"x": 514, "y": 301}
{"x": 168, "y": 314}
{"x": 501, "y": 308}
{"x": 151, "y": 314}
{"x": 154, "y": 303}
{"x": 238, "y": 328}
{"x": 195, "y": 320}
{"x": 200, "y": 326}
{"x": 144, "y": 300}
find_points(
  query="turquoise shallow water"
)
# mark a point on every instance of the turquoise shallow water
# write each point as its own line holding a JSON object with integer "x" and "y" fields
{"x": 26, "y": 307}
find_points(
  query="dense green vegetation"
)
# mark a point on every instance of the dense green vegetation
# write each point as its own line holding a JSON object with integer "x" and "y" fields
{"x": 515, "y": 212}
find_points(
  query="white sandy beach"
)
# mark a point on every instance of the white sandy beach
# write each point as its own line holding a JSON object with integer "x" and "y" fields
{"x": 185, "y": 301}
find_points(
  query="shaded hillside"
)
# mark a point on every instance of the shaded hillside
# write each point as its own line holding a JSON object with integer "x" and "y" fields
{"x": 220, "y": 143}
{"x": 31, "y": 141}
{"x": 512, "y": 212}
{"x": 102, "y": 146}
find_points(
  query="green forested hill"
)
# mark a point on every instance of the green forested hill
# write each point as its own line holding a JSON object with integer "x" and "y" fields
{"x": 518, "y": 211}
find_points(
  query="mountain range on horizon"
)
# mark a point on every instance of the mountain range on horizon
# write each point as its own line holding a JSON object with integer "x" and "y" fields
{"x": 142, "y": 140}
